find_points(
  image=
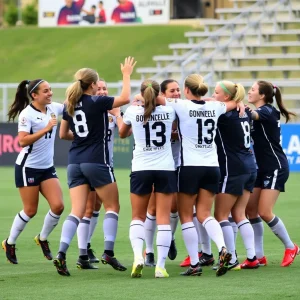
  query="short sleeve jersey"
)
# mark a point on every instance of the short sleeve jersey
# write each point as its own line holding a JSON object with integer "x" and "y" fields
{"x": 152, "y": 140}
{"x": 197, "y": 125}
{"x": 233, "y": 144}
{"x": 90, "y": 129}
{"x": 40, "y": 154}
{"x": 112, "y": 124}
{"x": 266, "y": 137}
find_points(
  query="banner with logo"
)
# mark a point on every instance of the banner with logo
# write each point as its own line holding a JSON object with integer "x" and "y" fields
{"x": 9, "y": 147}
{"x": 107, "y": 12}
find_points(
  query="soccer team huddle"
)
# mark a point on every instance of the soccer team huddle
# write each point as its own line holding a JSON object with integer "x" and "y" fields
{"x": 188, "y": 155}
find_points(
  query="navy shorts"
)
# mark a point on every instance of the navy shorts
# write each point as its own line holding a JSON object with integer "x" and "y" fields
{"x": 32, "y": 177}
{"x": 95, "y": 175}
{"x": 236, "y": 184}
{"x": 193, "y": 178}
{"x": 141, "y": 182}
{"x": 272, "y": 180}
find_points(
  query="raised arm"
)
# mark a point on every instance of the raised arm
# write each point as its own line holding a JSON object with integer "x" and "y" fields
{"x": 127, "y": 69}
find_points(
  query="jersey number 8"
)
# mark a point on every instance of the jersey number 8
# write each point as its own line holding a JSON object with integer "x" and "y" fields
{"x": 79, "y": 120}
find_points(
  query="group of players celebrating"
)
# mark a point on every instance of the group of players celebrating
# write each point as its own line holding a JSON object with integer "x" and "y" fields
{"x": 188, "y": 155}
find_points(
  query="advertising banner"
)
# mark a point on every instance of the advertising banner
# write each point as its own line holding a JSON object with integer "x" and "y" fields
{"x": 9, "y": 147}
{"x": 107, "y": 12}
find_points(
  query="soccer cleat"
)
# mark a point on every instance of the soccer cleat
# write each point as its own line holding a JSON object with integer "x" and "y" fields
{"x": 250, "y": 264}
{"x": 60, "y": 263}
{"x": 161, "y": 273}
{"x": 149, "y": 260}
{"x": 262, "y": 261}
{"x": 289, "y": 256}
{"x": 85, "y": 264}
{"x": 106, "y": 259}
{"x": 137, "y": 268}
{"x": 93, "y": 259}
{"x": 206, "y": 260}
{"x": 197, "y": 271}
{"x": 187, "y": 261}
{"x": 234, "y": 266}
{"x": 10, "y": 251}
{"x": 172, "y": 251}
{"x": 45, "y": 247}
{"x": 225, "y": 258}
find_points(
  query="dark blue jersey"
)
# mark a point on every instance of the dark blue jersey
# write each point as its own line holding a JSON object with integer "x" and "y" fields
{"x": 233, "y": 144}
{"x": 89, "y": 126}
{"x": 266, "y": 137}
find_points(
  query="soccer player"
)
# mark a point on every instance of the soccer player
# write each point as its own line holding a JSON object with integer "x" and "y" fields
{"x": 70, "y": 13}
{"x": 34, "y": 169}
{"x": 88, "y": 163}
{"x": 102, "y": 14}
{"x": 238, "y": 173}
{"x": 152, "y": 167}
{"x": 199, "y": 174}
{"x": 169, "y": 88}
{"x": 273, "y": 168}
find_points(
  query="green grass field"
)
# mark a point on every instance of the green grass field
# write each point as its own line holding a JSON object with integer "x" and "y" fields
{"x": 36, "y": 278}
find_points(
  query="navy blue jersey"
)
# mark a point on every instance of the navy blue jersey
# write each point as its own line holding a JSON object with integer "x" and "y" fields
{"x": 89, "y": 126}
{"x": 266, "y": 137}
{"x": 233, "y": 144}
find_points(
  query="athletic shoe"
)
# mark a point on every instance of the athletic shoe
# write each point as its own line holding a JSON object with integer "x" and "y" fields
{"x": 106, "y": 259}
{"x": 197, "y": 271}
{"x": 206, "y": 260}
{"x": 137, "y": 268}
{"x": 250, "y": 264}
{"x": 85, "y": 264}
{"x": 149, "y": 260}
{"x": 234, "y": 266}
{"x": 10, "y": 251}
{"x": 262, "y": 261}
{"x": 172, "y": 251}
{"x": 60, "y": 263}
{"x": 289, "y": 256}
{"x": 225, "y": 258}
{"x": 187, "y": 261}
{"x": 161, "y": 273}
{"x": 45, "y": 247}
{"x": 93, "y": 259}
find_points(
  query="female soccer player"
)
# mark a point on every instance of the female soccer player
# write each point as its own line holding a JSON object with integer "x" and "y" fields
{"x": 169, "y": 88}
{"x": 273, "y": 168}
{"x": 34, "y": 170}
{"x": 88, "y": 164}
{"x": 152, "y": 166}
{"x": 238, "y": 173}
{"x": 199, "y": 174}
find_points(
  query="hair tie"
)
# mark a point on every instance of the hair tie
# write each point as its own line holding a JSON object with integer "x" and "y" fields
{"x": 79, "y": 80}
{"x": 42, "y": 80}
{"x": 224, "y": 88}
{"x": 27, "y": 81}
{"x": 274, "y": 89}
{"x": 149, "y": 84}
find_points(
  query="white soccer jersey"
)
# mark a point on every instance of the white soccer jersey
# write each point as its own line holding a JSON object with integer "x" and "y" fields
{"x": 152, "y": 150}
{"x": 40, "y": 154}
{"x": 112, "y": 123}
{"x": 197, "y": 130}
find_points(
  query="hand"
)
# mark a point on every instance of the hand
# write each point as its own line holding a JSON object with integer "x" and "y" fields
{"x": 51, "y": 124}
{"x": 115, "y": 111}
{"x": 137, "y": 100}
{"x": 128, "y": 66}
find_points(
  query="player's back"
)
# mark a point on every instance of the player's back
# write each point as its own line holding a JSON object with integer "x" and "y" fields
{"x": 197, "y": 129}
{"x": 233, "y": 144}
{"x": 266, "y": 136}
{"x": 90, "y": 126}
{"x": 152, "y": 139}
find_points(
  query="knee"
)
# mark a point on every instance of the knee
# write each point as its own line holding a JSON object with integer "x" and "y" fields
{"x": 265, "y": 214}
{"x": 88, "y": 212}
{"x": 30, "y": 211}
{"x": 58, "y": 209}
{"x": 115, "y": 207}
{"x": 202, "y": 216}
{"x": 151, "y": 211}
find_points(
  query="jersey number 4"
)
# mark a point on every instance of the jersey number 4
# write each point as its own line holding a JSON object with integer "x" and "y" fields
{"x": 159, "y": 134}
{"x": 79, "y": 120}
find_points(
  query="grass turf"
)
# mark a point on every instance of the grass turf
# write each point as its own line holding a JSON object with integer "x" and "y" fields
{"x": 36, "y": 278}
